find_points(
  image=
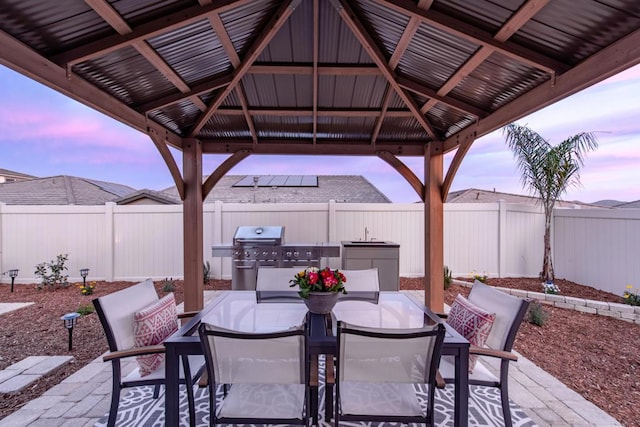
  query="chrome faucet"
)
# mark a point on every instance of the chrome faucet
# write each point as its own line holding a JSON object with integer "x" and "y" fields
{"x": 366, "y": 234}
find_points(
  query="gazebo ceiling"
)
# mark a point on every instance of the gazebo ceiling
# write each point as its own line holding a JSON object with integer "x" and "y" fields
{"x": 319, "y": 76}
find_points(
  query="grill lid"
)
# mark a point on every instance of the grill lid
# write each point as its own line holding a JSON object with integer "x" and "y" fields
{"x": 262, "y": 235}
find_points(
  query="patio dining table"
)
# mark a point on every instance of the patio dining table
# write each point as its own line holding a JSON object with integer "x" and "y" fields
{"x": 250, "y": 311}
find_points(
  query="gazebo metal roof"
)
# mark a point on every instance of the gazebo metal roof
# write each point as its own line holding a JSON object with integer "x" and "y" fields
{"x": 364, "y": 77}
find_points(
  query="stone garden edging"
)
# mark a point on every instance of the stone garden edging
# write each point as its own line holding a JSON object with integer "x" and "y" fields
{"x": 625, "y": 312}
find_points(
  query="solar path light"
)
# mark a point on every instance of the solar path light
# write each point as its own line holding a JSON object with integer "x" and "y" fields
{"x": 69, "y": 320}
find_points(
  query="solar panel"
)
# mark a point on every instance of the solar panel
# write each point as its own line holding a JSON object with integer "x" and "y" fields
{"x": 279, "y": 181}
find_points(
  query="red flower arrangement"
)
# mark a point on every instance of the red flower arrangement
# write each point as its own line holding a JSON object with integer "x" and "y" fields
{"x": 313, "y": 279}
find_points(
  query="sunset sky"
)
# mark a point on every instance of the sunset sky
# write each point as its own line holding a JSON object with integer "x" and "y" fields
{"x": 44, "y": 133}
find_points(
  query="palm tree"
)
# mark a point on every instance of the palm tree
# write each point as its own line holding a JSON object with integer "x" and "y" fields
{"x": 548, "y": 171}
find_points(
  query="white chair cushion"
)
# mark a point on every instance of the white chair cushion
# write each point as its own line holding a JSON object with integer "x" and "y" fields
{"x": 480, "y": 373}
{"x": 151, "y": 326}
{"x": 358, "y": 398}
{"x": 362, "y": 280}
{"x": 195, "y": 363}
{"x": 263, "y": 401}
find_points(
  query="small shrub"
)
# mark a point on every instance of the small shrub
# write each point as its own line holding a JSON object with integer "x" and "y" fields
{"x": 52, "y": 273}
{"x": 447, "y": 277}
{"x": 168, "y": 285}
{"x": 550, "y": 288}
{"x": 537, "y": 314}
{"x": 207, "y": 272}
{"x": 87, "y": 288}
{"x": 630, "y": 297}
{"x": 479, "y": 277}
{"x": 85, "y": 309}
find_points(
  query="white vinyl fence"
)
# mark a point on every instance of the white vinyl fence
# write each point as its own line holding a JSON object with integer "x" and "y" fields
{"x": 597, "y": 247}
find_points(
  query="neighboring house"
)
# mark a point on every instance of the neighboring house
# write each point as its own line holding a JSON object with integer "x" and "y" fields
{"x": 11, "y": 176}
{"x": 61, "y": 190}
{"x": 474, "y": 195}
{"x": 292, "y": 189}
{"x": 148, "y": 197}
{"x": 629, "y": 205}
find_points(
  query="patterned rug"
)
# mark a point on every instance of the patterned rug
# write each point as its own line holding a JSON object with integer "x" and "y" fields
{"x": 139, "y": 409}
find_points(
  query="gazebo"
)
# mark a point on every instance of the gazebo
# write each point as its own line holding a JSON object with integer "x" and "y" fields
{"x": 386, "y": 78}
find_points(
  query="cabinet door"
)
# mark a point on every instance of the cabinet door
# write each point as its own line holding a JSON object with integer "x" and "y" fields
{"x": 388, "y": 273}
{"x": 357, "y": 264}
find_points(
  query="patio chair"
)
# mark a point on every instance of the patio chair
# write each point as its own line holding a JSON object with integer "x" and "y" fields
{"x": 118, "y": 312}
{"x": 267, "y": 374}
{"x": 377, "y": 369}
{"x": 362, "y": 280}
{"x": 509, "y": 312}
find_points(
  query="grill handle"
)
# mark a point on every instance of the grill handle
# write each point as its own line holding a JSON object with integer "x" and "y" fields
{"x": 258, "y": 241}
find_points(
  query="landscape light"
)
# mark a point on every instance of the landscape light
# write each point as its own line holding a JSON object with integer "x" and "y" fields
{"x": 69, "y": 320}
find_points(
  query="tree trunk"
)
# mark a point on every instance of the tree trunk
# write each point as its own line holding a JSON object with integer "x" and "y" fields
{"x": 547, "y": 264}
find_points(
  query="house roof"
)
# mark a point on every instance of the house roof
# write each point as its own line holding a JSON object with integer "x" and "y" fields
{"x": 15, "y": 175}
{"x": 155, "y": 196}
{"x": 376, "y": 77}
{"x": 61, "y": 190}
{"x": 630, "y": 205}
{"x": 342, "y": 188}
{"x": 475, "y": 195}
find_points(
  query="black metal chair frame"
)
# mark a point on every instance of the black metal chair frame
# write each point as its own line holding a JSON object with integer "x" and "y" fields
{"x": 115, "y": 356}
{"x": 439, "y": 333}
{"x": 204, "y": 333}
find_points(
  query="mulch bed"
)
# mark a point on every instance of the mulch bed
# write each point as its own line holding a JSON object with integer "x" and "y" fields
{"x": 596, "y": 356}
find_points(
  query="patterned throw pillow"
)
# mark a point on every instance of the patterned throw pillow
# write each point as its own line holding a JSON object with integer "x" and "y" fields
{"x": 471, "y": 322}
{"x": 152, "y": 325}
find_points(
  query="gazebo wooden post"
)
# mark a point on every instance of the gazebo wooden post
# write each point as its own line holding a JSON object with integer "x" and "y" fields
{"x": 192, "y": 220}
{"x": 433, "y": 227}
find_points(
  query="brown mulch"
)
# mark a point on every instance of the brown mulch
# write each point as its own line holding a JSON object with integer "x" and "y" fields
{"x": 596, "y": 356}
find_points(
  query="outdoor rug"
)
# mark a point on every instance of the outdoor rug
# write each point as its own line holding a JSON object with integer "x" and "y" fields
{"x": 139, "y": 409}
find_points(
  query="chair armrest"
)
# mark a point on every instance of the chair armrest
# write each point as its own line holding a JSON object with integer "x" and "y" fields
{"x": 442, "y": 315}
{"x": 137, "y": 351}
{"x": 440, "y": 382}
{"x": 481, "y": 351}
{"x": 187, "y": 314}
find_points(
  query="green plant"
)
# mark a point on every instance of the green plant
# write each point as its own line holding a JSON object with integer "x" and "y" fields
{"x": 537, "y": 315}
{"x": 630, "y": 297}
{"x": 548, "y": 171}
{"x": 312, "y": 279}
{"x": 207, "y": 272}
{"x": 168, "y": 285}
{"x": 479, "y": 277}
{"x": 52, "y": 273}
{"x": 550, "y": 288}
{"x": 447, "y": 277}
{"x": 85, "y": 309}
{"x": 87, "y": 288}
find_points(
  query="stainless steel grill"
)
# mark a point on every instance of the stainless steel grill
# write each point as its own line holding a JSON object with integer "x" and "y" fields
{"x": 263, "y": 247}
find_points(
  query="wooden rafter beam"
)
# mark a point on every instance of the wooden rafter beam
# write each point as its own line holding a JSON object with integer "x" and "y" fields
{"x": 21, "y": 58}
{"x": 513, "y": 24}
{"x": 475, "y": 35}
{"x": 401, "y": 48}
{"x": 358, "y": 29}
{"x": 314, "y": 78}
{"x": 323, "y": 69}
{"x": 165, "y": 101}
{"x": 420, "y": 89}
{"x": 308, "y": 112}
{"x": 306, "y": 146}
{"x": 280, "y": 17}
{"x": 230, "y": 50}
{"x": 145, "y": 31}
{"x": 111, "y": 16}
{"x": 609, "y": 61}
